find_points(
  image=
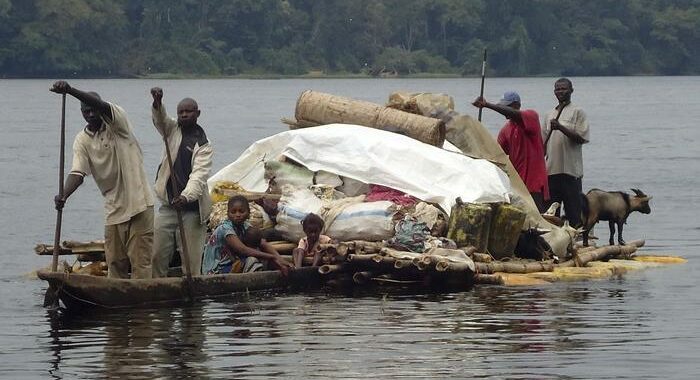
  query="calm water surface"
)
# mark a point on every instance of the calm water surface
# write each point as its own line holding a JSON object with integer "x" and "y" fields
{"x": 644, "y": 325}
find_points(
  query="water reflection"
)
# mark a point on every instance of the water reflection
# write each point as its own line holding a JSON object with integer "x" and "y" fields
{"x": 371, "y": 335}
{"x": 135, "y": 344}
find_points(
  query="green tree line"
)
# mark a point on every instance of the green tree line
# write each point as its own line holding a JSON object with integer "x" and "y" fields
{"x": 127, "y": 38}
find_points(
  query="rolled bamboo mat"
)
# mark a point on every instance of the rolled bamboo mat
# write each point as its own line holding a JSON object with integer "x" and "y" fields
{"x": 320, "y": 108}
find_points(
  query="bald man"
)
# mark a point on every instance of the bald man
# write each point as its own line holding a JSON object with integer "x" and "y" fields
{"x": 192, "y": 159}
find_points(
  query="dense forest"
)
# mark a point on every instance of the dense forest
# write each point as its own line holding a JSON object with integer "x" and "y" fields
{"x": 127, "y": 38}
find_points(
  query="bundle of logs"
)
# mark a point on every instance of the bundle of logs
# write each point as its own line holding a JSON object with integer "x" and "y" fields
{"x": 362, "y": 262}
{"x": 366, "y": 262}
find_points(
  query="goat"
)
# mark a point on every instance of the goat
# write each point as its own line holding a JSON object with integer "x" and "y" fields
{"x": 613, "y": 206}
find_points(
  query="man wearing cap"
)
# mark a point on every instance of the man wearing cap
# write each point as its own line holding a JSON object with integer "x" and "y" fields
{"x": 565, "y": 130}
{"x": 520, "y": 138}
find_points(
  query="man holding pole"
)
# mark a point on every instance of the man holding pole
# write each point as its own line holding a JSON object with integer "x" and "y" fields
{"x": 191, "y": 160}
{"x": 565, "y": 130}
{"x": 520, "y": 138}
{"x": 107, "y": 149}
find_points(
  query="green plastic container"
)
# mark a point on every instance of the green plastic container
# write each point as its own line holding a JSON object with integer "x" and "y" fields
{"x": 470, "y": 224}
{"x": 506, "y": 225}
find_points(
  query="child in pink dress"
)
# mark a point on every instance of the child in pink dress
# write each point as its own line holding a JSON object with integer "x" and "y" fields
{"x": 309, "y": 246}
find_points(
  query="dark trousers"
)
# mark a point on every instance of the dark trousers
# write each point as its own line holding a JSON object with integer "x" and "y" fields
{"x": 567, "y": 190}
{"x": 539, "y": 201}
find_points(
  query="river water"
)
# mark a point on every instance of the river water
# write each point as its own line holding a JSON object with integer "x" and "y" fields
{"x": 643, "y": 325}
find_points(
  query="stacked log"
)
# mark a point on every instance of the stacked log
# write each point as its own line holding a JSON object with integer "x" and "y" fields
{"x": 497, "y": 272}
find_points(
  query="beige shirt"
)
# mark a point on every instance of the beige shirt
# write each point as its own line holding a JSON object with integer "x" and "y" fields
{"x": 565, "y": 156}
{"x": 114, "y": 158}
{"x": 196, "y": 188}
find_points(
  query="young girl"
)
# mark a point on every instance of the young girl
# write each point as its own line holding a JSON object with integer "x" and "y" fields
{"x": 225, "y": 251}
{"x": 312, "y": 225}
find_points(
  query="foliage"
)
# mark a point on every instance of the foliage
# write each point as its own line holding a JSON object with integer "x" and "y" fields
{"x": 293, "y": 37}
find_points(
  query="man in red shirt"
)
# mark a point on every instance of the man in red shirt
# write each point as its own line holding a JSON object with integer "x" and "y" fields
{"x": 521, "y": 140}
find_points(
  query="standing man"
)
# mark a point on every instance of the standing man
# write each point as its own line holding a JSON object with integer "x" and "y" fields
{"x": 191, "y": 154}
{"x": 563, "y": 138}
{"x": 521, "y": 140}
{"x": 107, "y": 149}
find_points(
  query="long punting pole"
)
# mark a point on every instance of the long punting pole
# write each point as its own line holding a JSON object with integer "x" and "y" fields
{"x": 59, "y": 212}
{"x": 483, "y": 79}
{"x": 561, "y": 108}
{"x": 180, "y": 224}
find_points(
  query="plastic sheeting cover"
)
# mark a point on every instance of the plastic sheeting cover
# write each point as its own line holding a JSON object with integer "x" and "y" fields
{"x": 375, "y": 156}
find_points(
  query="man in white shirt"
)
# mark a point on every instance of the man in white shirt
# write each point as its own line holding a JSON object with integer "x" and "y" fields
{"x": 192, "y": 160}
{"x": 108, "y": 150}
{"x": 563, "y": 138}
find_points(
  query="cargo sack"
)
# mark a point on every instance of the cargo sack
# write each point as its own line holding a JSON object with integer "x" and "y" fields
{"x": 410, "y": 235}
{"x": 421, "y": 103}
{"x": 284, "y": 173}
{"x": 258, "y": 217}
{"x": 221, "y": 190}
{"x": 352, "y": 187}
{"x": 370, "y": 221}
{"x": 279, "y": 174}
{"x": 293, "y": 206}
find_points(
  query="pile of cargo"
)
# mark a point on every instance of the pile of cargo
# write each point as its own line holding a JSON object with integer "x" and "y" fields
{"x": 385, "y": 177}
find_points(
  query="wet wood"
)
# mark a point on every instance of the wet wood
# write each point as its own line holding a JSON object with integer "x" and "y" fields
{"x": 70, "y": 247}
{"x": 480, "y": 257}
{"x": 400, "y": 264}
{"x": 283, "y": 247}
{"x": 448, "y": 266}
{"x": 332, "y": 268}
{"x": 579, "y": 260}
{"x": 84, "y": 291}
{"x": 488, "y": 279}
{"x": 94, "y": 250}
{"x": 363, "y": 277}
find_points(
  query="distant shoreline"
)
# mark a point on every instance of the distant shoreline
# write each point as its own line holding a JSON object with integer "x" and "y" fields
{"x": 171, "y": 76}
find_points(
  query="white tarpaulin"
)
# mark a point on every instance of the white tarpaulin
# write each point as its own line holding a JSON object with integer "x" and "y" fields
{"x": 377, "y": 157}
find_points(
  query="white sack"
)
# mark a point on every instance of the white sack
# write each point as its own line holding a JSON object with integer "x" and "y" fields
{"x": 293, "y": 206}
{"x": 371, "y": 221}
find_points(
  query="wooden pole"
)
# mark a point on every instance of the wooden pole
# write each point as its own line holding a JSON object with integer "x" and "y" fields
{"x": 61, "y": 172}
{"x": 51, "y": 295}
{"x": 561, "y": 108}
{"x": 483, "y": 79}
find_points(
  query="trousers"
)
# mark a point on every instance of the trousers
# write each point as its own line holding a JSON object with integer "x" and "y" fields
{"x": 567, "y": 189}
{"x": 167, "y": 239}
{"x": 130, "y": 244}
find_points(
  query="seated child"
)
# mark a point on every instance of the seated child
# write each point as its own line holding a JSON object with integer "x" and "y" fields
{"x": 225, "y": 252}
{"x": 312, "y": 225}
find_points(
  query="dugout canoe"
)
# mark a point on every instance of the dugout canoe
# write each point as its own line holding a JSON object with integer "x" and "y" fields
{"x": 80, "y": 291}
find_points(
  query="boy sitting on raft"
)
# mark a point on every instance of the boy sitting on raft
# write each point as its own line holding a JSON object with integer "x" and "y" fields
{"x": 310, "y": 246}
{"x": 225, "y": 252}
